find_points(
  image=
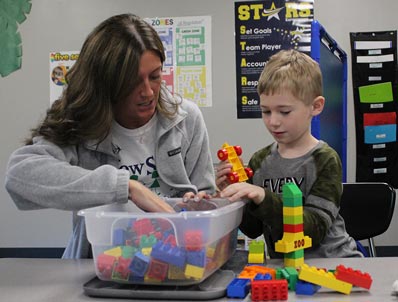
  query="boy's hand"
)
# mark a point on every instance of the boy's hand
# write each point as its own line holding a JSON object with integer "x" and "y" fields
{"x": 222, "y": 170}
{"x": 241, "y": 190}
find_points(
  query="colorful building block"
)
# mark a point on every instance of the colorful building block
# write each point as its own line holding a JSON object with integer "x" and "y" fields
{"x": 197, "y": 258}
{"x": 256, "y": 251}
{"x": 266, "y": 276}
{"x": 256, "y": 246}
{"x": 250, "y": 271}
{"x": 121, "y": 269}
{"x": 323, "y": 278}
{"x": 116, "y": 252}
{"x": 355, "y": 277}
{"x": 119, "y": 237}
{"x": 238, "y": 288}
{"x": 293, "y": 241}
{"x": 231, "y": 153}
{"x": 169, "y": 254}
{"x": 194, "y": 272}
{"x": 143, "y": 226}
{"x": 139, "y": 264}
{"x": 157, "y": 270}
{"x": 193, "y": 240}
{"x": 291, "y": 275}
{"x": 255, "y": 258}
{"x": 147, "y": 241}
{"x": 306, "y": 288}
{"x": 269, "y": 290}
{"x": 105, "y": 265}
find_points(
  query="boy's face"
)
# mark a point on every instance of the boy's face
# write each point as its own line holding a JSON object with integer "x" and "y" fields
{"x": 288, "y": 119}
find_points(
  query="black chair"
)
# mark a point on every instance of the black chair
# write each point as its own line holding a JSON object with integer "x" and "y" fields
{"x": 367, "y": 208}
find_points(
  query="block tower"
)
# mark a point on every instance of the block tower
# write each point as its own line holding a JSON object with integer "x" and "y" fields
{"x": 293, "y": 241}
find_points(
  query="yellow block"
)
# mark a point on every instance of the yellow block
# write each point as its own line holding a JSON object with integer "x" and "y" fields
{"x": 292, "y": 211}
{"x": 290, "y": 262}
{"x": 116, "y": 252}
{"x": 291, "y": 242}
{"x": 255, "y": 258}
{"x": 193, "y": 271}
{"x": 323, "y": 278}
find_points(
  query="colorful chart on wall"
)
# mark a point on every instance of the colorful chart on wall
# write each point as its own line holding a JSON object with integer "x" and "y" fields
{"x": 263, "y": 28}
{"x": 187, "y": 69}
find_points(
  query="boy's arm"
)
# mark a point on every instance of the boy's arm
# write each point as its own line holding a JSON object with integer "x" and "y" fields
{"x": 321, "y": 206}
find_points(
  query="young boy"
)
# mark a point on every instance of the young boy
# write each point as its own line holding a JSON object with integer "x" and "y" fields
{"x": 290, "y": 89}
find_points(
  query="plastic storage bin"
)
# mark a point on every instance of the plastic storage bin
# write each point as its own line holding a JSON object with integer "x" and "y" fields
{"x": 181, "y": 248}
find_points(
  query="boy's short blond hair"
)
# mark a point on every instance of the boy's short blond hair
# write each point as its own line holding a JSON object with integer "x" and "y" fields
{"x": 292, "y": 71}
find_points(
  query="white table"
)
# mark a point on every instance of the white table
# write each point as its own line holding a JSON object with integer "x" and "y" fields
{"x": 58, "y": 280}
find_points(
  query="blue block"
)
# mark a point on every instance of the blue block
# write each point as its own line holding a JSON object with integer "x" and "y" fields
{"x": 306, "y": 288}
{"x": 119, "y": 237}
{"x": 266, "y": 276}
{"x": 238, "y": 288}
{"x": 139, "y": 264}
{"x": 197, "y": 258}
{"x": 169, "y": 254}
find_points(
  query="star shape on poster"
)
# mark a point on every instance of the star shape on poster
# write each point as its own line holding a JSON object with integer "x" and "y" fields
{"x": 297, "y": 33}
{"x": 272, "y": 12}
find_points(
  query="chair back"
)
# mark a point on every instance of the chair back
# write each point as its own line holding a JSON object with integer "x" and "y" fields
{"x": 367, "y": 208}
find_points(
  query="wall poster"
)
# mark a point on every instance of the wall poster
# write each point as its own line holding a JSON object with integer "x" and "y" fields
{"x": 262, "y": 28}
{"x": 60, "y": 62}
{"x": 187, "y": 69}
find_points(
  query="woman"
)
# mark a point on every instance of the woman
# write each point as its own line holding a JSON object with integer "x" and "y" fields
{"x": 116, "y": 134}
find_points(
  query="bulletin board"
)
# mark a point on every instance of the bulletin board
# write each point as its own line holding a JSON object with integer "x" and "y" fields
{"x": 374, "y": 67}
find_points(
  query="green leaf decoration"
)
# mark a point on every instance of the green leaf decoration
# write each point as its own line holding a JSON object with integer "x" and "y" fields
{"x": 12, "y": 13}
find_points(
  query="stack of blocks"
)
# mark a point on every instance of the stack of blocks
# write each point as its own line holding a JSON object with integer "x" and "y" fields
{"x": 293, "y": 241}
{"x": 268, "y": 284}
{"x": 256, "y": 251}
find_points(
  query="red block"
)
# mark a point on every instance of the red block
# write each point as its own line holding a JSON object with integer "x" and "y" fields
{"x": 293, "y": 228}
{"x": 105, "y": 265}
{"x": 143, "y": 227}
{"x": 157, "y": 270}
{"x": 269, "y": 290}
{"x": 355, "y": 277}
{"x": 193, "y": 240}
{"x": 122, "y": 267}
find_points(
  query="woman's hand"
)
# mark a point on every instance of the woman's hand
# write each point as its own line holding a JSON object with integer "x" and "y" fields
{"x": 146, "y": 199}
{"x": 196, "y": 197}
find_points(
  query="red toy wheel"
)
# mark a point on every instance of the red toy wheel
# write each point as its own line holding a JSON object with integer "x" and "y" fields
{"x": 238, "y": 150}
{"x": 233, "y": 177}
{"x": 249, "y": 172}
{"x": 222, "y": 154}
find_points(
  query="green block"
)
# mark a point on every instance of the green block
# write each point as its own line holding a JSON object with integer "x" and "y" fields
{"x": 292, "y": 195}
{"x": 147, "y": 241}
{"x": 298, "y": 219}
{"x": 128, "y": 251}
{"x": 256, "y": 247}
{"x": 295, "y": 254}
{"x": 278, "y": 273}
{"x": 291, "y": 275}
